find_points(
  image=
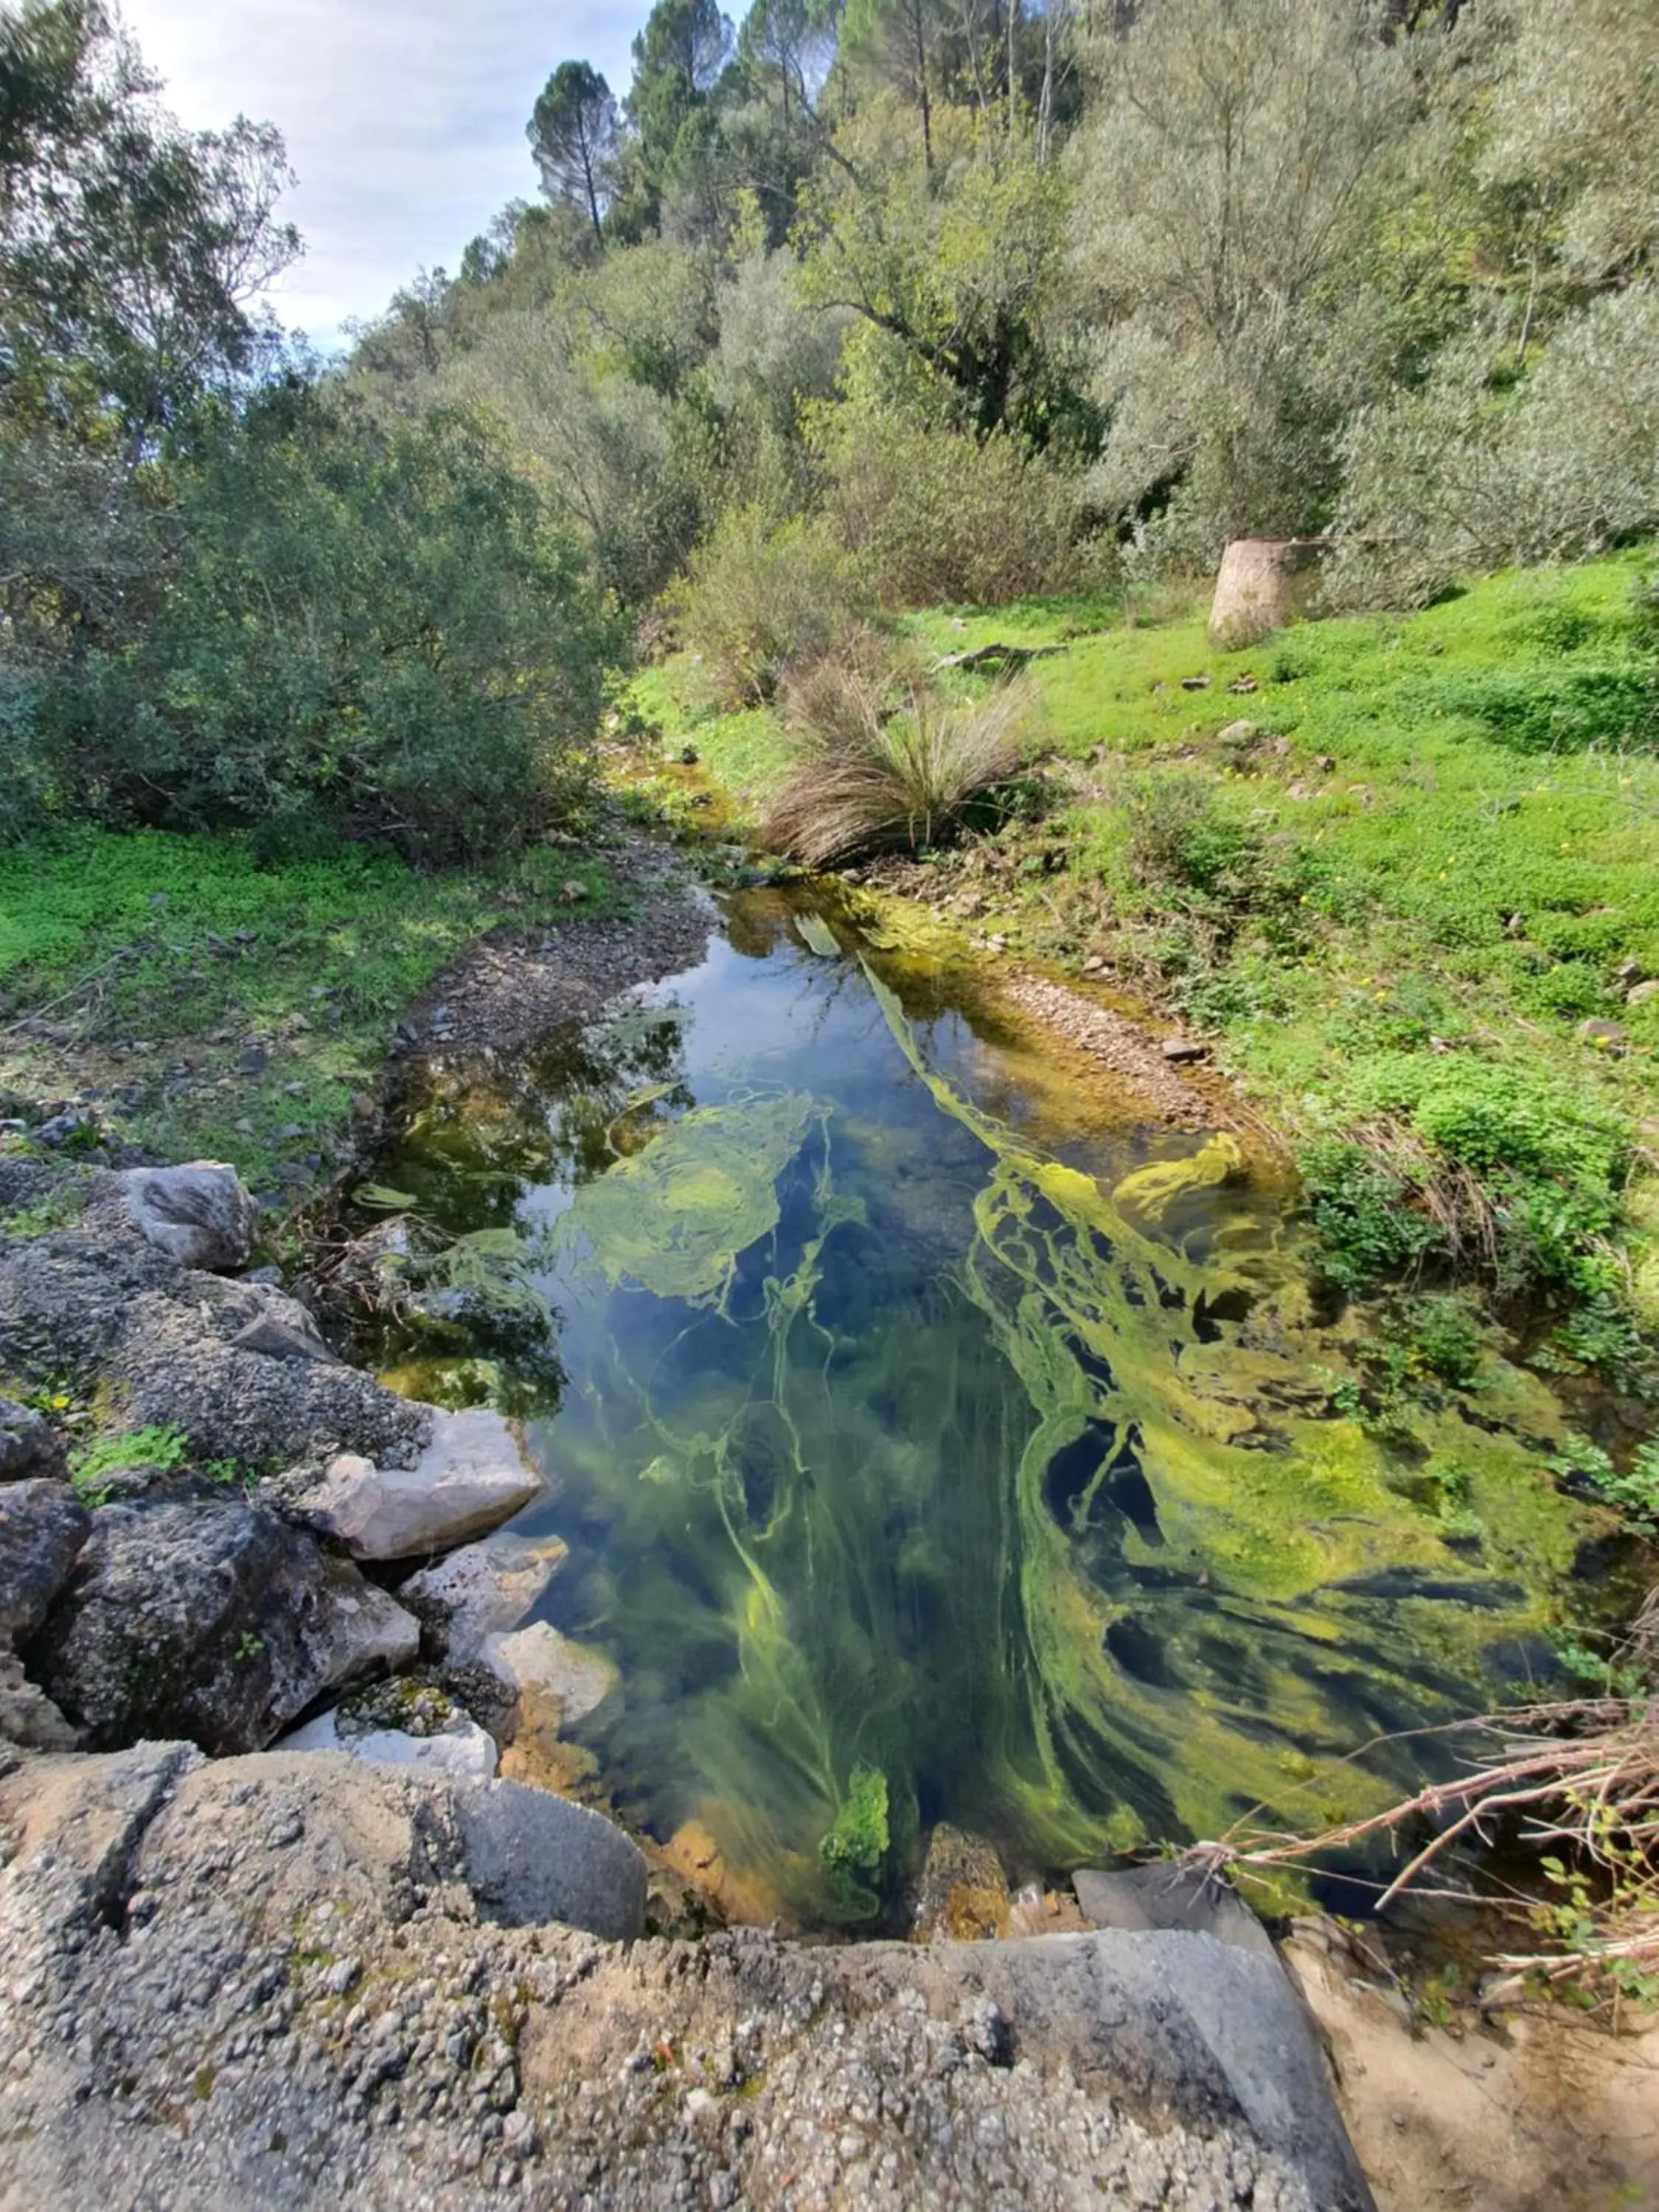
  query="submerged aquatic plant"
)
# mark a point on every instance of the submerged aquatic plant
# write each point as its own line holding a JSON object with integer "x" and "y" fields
{"x": 1002, "y": 1507}
{"x": 854, "y": 1846}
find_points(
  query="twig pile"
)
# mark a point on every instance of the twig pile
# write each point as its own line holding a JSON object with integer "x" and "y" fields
{"x": 1581, "y": 1779}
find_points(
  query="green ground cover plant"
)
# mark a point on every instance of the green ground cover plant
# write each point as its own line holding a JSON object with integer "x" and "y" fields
{"x": 1391, "y": 866}
{"x": 230, "y": 1009}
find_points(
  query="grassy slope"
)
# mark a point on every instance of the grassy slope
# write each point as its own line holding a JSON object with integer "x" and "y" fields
{"x": 159, "y": 959}
{"x": 1455, "y": 826}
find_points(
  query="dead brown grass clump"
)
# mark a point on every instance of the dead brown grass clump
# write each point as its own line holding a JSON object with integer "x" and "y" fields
{"x": 876, "y": 777}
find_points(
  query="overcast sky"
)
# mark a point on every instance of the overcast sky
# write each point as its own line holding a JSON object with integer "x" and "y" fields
{"x": 404, "y": 122}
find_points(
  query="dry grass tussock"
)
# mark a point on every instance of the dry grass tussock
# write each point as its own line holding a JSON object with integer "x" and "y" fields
{"x": 1578, "y": 1782}
{"x": 875, "y": 776}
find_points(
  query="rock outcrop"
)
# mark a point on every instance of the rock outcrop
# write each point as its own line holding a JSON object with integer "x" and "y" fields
{"x": 43, "y": 1527}
{"x": 101, "y": 1304}
{"x": 288, "y": 1982}
{"x": 481, "y": 1589}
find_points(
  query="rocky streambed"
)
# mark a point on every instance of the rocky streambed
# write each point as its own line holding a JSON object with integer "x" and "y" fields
{"x": 373, "y": 1974}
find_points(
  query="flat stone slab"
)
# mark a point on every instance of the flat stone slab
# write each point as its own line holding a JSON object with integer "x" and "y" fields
{"x": 539, "y": 1662}
{"x": 470, "y": 1477}
{"x": 461, "y": 1748}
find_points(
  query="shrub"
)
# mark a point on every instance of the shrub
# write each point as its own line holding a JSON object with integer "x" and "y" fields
{"x": 1452, "y": 1162}
{"x": 1178, "y": 836}
{"x": 1455, "y": 477}
{"x": 879, "y": 778}
{"x": 760, "y": 600}
{"x": 1363, "y": 1210}
{"x": 934, "y": 514}
{"x": 369, "y": 631}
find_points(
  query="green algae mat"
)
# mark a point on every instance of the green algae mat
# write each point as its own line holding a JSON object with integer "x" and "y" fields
{"x": 930, "y": 1447}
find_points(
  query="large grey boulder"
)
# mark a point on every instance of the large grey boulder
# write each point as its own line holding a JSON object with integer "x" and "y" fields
{"x": 282, "y": 1982}
{"x": 43, "y": 1526}
{"x": 188, "y": 1350}
{"x": 28, "y": 1444}
{"x": 182, "y": 1365}
{"x": 217, "y": 1622}
{"x": 470, "y": 1478}
{"x": 530, "y": 1857}
{"x": 198, "y": 1215}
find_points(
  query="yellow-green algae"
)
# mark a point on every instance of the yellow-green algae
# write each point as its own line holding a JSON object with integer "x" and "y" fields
{"x": 1049, "y": 1520}
{"x": 819, "y": 1549}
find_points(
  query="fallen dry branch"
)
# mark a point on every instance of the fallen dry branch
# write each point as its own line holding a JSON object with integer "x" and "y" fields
{"x": 1579, "y": 1780}
{"x": 986, "y": 656}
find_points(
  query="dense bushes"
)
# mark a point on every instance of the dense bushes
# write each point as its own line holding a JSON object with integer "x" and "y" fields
{"x": 934, "y": 514}
{"x": 361, "y": 631}
{"x": 1473, "y": 470}
{"x": 761, "y": 598}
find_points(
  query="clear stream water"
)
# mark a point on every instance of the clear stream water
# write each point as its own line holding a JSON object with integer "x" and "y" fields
{"x": 919, "y": 1428}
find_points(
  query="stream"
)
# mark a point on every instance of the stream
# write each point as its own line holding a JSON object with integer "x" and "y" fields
{"x": 934, "y": 1443}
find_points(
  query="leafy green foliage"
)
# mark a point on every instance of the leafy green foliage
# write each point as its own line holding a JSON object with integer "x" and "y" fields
{"x": 179, "y": 949}
{"x": 1631, "y": 1491}
{"x": 759, "y": 601}
{"x": 370, "y": 634}
{"x": 156, "y": 1449}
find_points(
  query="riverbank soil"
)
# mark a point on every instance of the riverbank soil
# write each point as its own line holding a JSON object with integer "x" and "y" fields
{"x": 1531, "y": 2111}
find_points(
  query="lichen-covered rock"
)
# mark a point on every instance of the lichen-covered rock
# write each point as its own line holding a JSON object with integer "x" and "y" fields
{"x": 199, "y": 1214}
{"x": 310, "y": 1959}
{"x": 29, "y": 1718}
{"x": 470, "y": 1478}
{"x": 43, "y": 1526}
{"x": 217, "y": 1622}
{"x": 28, "y": 1444}
{"x": 101, "y": 1304}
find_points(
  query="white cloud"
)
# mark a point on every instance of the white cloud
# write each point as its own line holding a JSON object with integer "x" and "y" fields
{"x": 405, "y": 123}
